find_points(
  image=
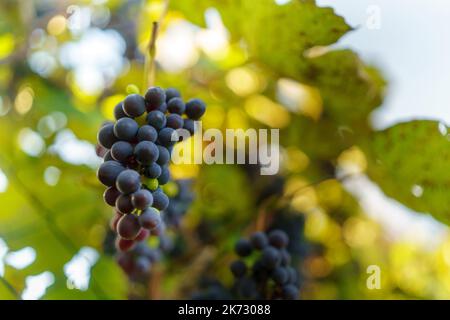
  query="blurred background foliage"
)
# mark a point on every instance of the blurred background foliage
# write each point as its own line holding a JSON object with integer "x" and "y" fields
{"x": 64, "y": 65}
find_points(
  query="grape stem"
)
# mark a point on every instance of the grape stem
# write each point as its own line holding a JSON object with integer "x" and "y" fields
{"x": 149, "y": 64}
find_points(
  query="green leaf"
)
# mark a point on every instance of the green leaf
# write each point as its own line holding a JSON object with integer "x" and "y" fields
{"x": 411, "y": 162}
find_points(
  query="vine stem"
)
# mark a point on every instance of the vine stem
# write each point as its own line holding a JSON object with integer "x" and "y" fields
{"x": 149, "y": 63}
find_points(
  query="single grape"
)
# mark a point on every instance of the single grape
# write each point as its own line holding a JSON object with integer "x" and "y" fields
{"x": 123, "y": 245}
{"x": 106, "y": 137}
{"x": 164, "y": 156}
{"x": 195, "y": 108}
{"x": 176, "y": 105}
{"x": 143, "y": 235}
{"x": 134, "y": 105}
{"x": 107, "y": 156}
{"x": 168, "y": 137}
{"x": 108, "y": 172}
{"x": 243, "y": 248}
{"x": 128, "y": 181}
{"x": 142, "y": 199}
{"x": 189, "y": 125}
{"x": 152, "y": 171}
{"x": 290, "y": 292}
{"x": 147, "y": 133}
{"x": 164, "y": 177}
{"x": 157, "y": 119}
{"x": 110, "y": 196}
{"x": 160, "y": 200}
{"x": 238, "y": 268}
{"x": 259, "y": 240}
{"x": 154, "y": 97}
{"x": 149, "y": 219}
{"x": 270, "y": 257}
{"x": 118, "y": 111}
{"x": 278, "y": 238}
{"x": 121, "y": 151}
{"x": 146, "y": 152}
{"x": 128, "y": 227}
{"x": 280, "y": 275}
{"x": 162, "y": 108}
{"x": 142, "y": 265}
{"x": 126, "y": 129}
{"x": 172, "y": 93}
{"x": 285, "y": 257}
{"x": 174, "y": 121}
{"x": 293, "y": 276}
{"x": 114, "y": 220}
{"x": 124, "y": 204}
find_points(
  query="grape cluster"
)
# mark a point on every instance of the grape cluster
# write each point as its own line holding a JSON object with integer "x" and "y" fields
{"x": 137, "y": 149}
{"x": 270, "y": 275}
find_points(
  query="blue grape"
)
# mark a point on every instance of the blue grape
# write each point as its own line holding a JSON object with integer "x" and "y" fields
{"x": 126, "y": 129}
{"x": 154, "y": 97}
{"x": 167, "y": 137}
{"x": 128, "y": 181}
{"x": 149, "y": 219}
{"x": 174, "y": 121}
{"x": 259, "y": 240}
{"x": 142, "y": 199}
{"x": 121, "y": 151}
{"x": 238, "y": 268}
{"x": 124, "y": 204}
{"x": 118, "y": 111}
{"x": 147, "y": 133}
{"x": 160, "y": 200}
{"x": 176, "y": 105}
{"x": 134, "y": 105}
{"x": 164, "y": 156}
{"x": 157, "y": 119}
{"x": 164, "y": 177}
{"x": 108, "y": 172}
{"x": 146, "y": 152}
{"x": 106, "y": 137}
{"x": 172, "y": 93}
{"x": 195, "y": 108}
{"x": 152, "y": 171}
{"x": 243, "y": 248}
{"x": 128, "y": 227}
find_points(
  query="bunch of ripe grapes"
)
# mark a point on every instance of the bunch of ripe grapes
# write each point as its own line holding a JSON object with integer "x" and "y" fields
{"x": 265, "y": 273}
{"x": 137, "y": 153}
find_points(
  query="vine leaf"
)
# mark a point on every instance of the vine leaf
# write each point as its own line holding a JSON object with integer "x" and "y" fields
{"x": 411, "y": 163}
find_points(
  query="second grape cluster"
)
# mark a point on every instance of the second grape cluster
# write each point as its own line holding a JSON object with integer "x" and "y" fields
{"x": 138, "y": 148}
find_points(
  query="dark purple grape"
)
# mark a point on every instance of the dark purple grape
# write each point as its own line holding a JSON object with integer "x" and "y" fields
{"x": 290, "y": 292}
{"x": 147, "y": 133}
{"x": 118, "y": 111}
{"x": 126, "y": 129}
{"x": 115, "y": 220}
{"x": 134, "y": 105}
{"x": 142, "y": 199}
{"x": 280, "y": 275}
{"x": 278, "y": 238}
{"x": 285, "y": 257}
{"x": 238, "y": 268}
{"x": 164, "y": 156}
{"x": 121, "y": 151}
{"x": 107, "y": 156}
{"x": 172, "y": 93}
{"x": 143, "y": 235}
{"x": 176, "y": 105}
{"x": 149, "y": 219}
{"x": 162, "y": 108}
{"x": 142, "y": 265}
{"x": 195, "y": 108}
{"x": 270, "y": 257}
{"x": 154, "y": 97}
{"x": 189, "y": 125}
{"x": 108, "y": 172}
{"x": 164, "y": 177}
{"x": 124, "y": 204}
{"x": 168, "y": 137}
{"x": 158, "y": 230}
{"x": 259, "y": 240}
{"x": 146, "y": 152}
{"x": 160, "y": 200}
{"x": 152, "y": 171}
{"x": 106, "y": 137}
{"x": 157, "y": 119}
{"x": 128, "y": 227}
{"x": 110, "y": 196}
{"x": 123, "y": 245}
{"x": 243, "y": 248}
{"x": 174, "y": 121}
{"x": 293, "y": 277}
{"x": 128, "y": 181}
